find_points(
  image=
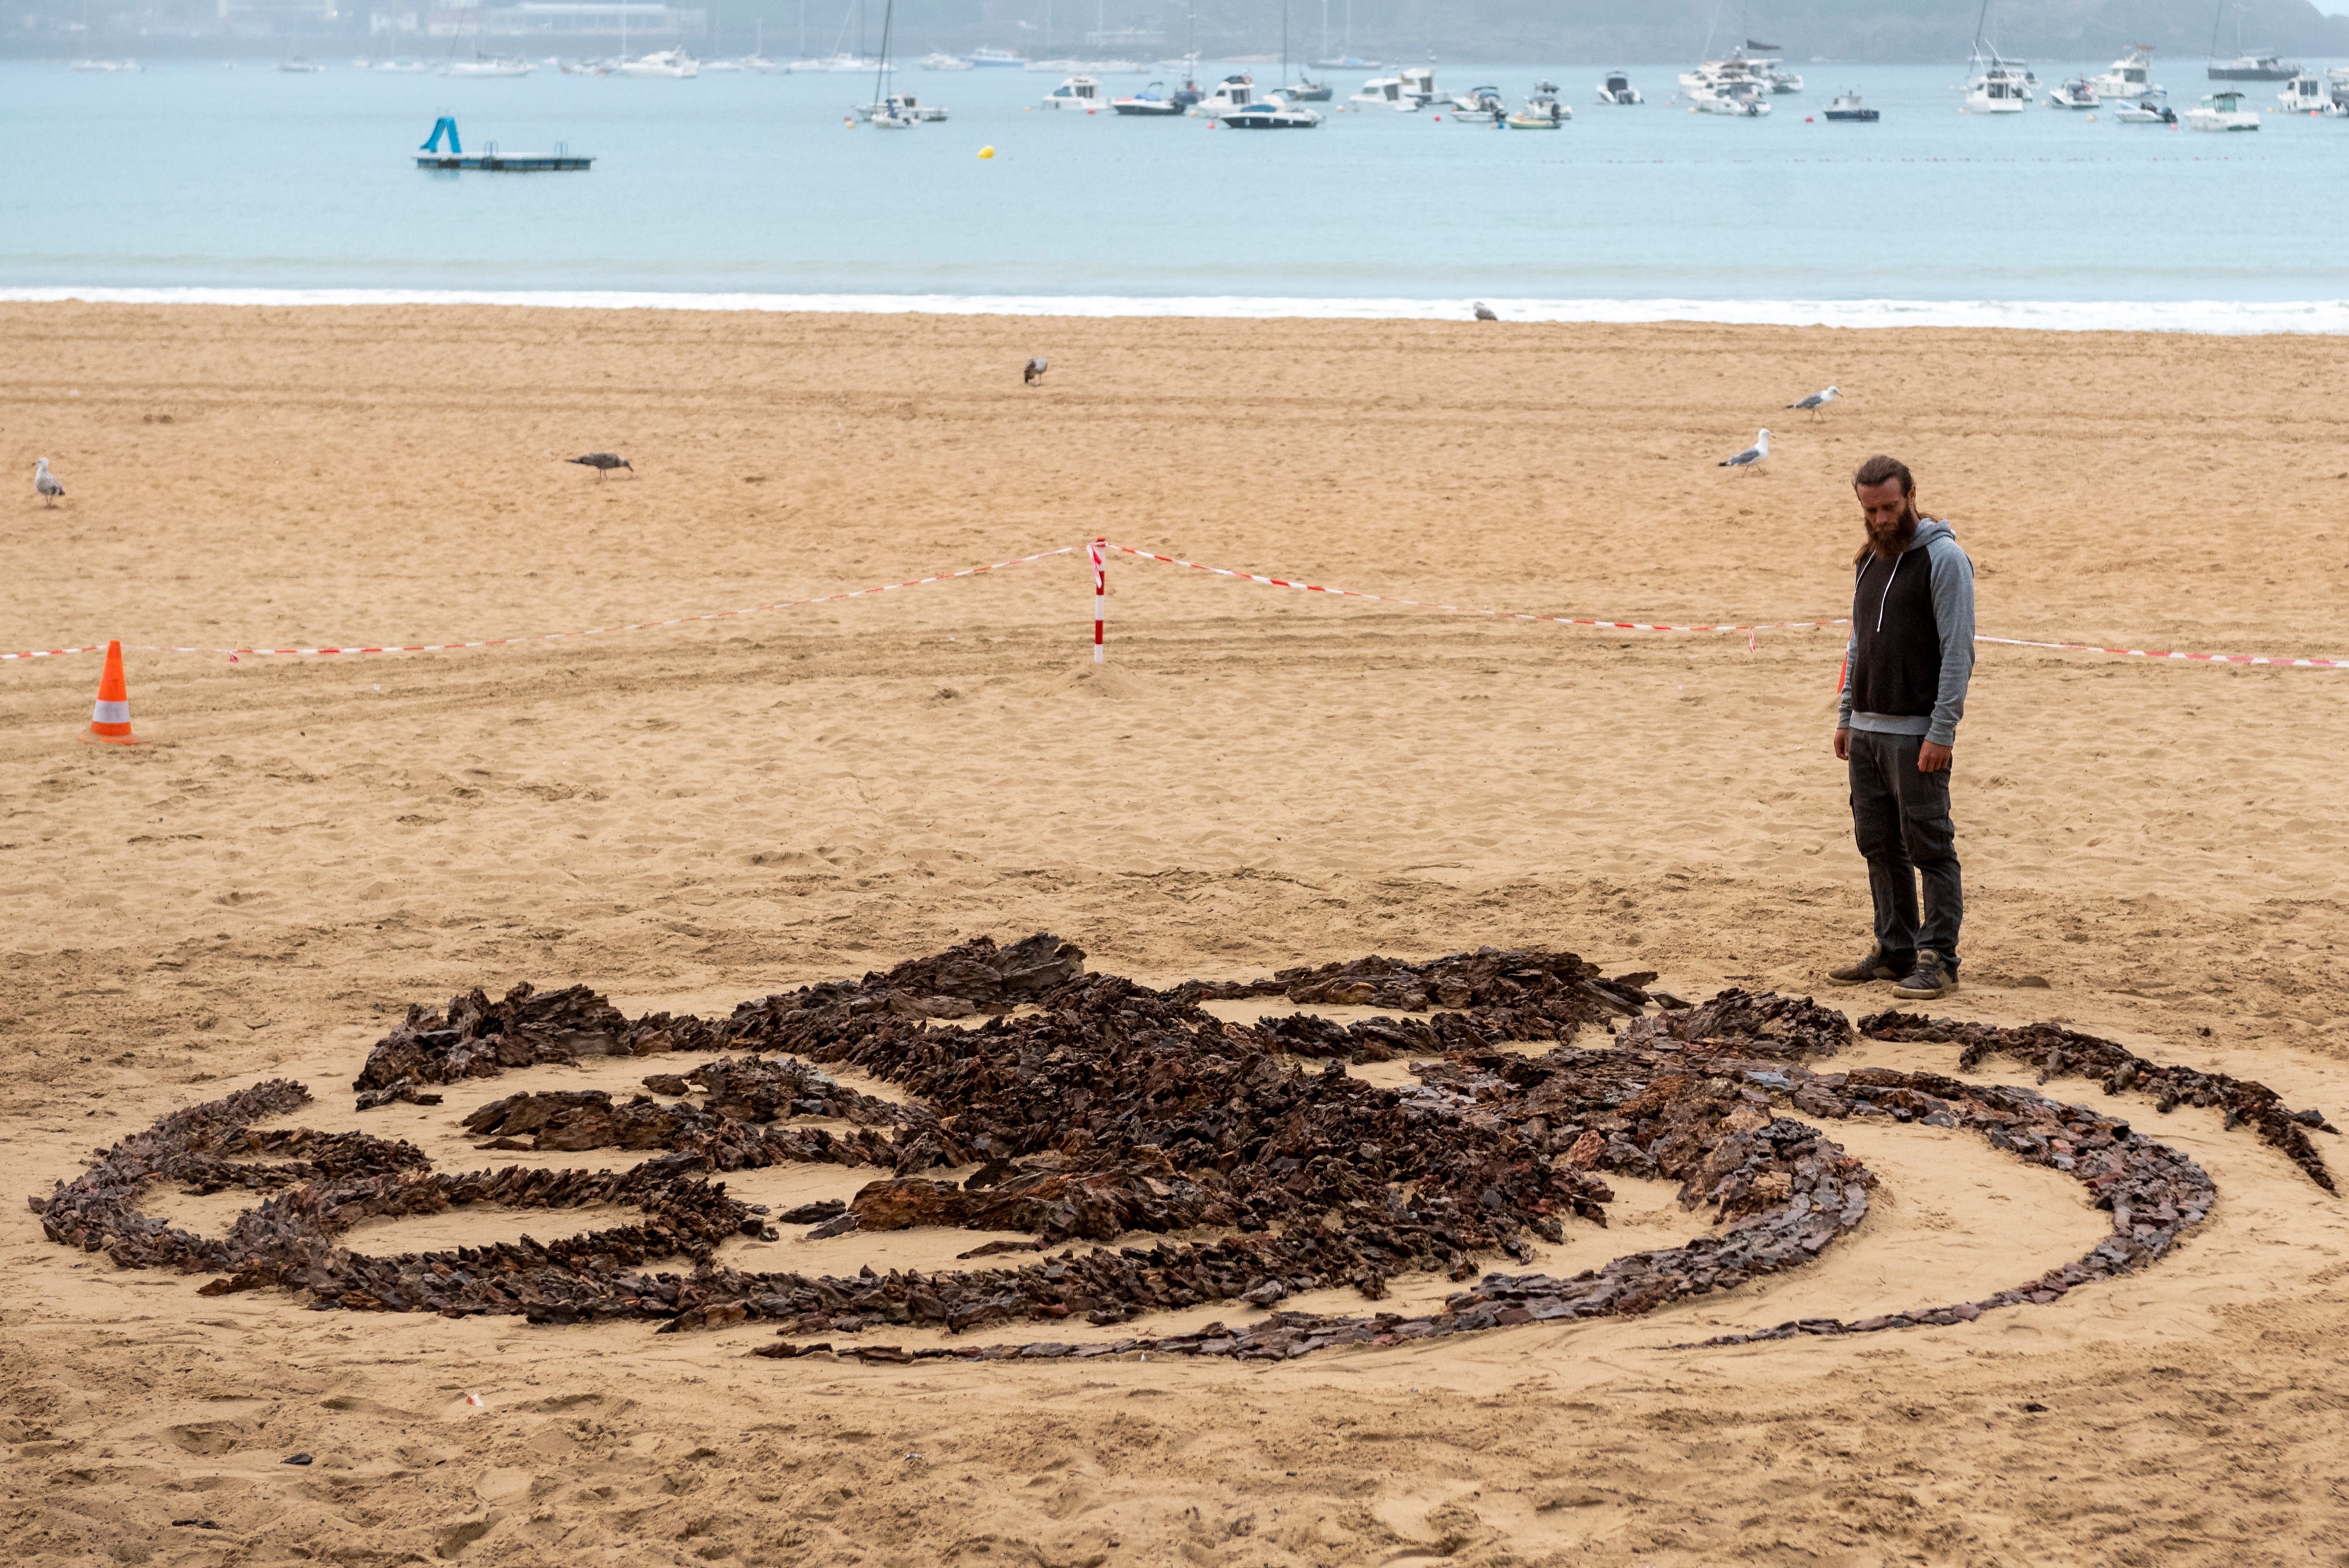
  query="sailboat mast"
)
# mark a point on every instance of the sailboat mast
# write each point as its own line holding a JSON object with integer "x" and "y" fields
{"x": 881, "y": 72}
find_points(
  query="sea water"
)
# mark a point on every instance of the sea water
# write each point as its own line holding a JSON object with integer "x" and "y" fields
{"x": 193, "y": 179}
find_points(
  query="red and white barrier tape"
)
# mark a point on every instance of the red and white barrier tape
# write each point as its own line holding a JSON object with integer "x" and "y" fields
{"x": 1748, "y": 628}
{"x": 1094, "y": 554}
{"x": 2163, "y": 653}
{"x": 1467, "y": 610}
{"x": 590, "y": 631}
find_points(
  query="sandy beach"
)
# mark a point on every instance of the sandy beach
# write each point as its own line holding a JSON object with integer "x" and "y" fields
{"x": 688, "y": 817}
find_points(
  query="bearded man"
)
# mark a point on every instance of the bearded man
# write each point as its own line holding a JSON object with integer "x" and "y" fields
{"x": 1906, "y": 667}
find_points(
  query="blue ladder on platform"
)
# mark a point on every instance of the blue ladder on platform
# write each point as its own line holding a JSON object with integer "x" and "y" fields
{"x": 447, "y": 122}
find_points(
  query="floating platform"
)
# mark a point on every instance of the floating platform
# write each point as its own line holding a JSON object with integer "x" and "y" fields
{"x": 504, "y": 163}
{"x": 492, "y": 160}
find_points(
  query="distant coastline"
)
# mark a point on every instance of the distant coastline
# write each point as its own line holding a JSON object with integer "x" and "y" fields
{"x": 2204, "y": 317}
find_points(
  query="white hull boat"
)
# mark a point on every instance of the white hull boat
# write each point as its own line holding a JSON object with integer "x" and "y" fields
{"x": 2308, "y": 93}
{"x": 901, "y": 106}
{"x": 1477, "y": 106}
{"x": 515, "y": 66}
{"x": 668, "y": 65}
{"x": 2131, "y": 78}
{"x": 1081, "y": 93}
{"x": 1618, "y": 89}
{"x": 2223, "y": 111}
{"x": 1741, "y": 101}
{"x": 2075, "y": 94}
{"x": 1232, "y": 92}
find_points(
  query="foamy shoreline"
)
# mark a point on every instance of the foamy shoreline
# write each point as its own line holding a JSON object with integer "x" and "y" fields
{"x": 2210, "y": 317}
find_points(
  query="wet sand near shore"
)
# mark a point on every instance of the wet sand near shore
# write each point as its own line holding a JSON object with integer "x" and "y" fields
{"x": 688, "y": 817}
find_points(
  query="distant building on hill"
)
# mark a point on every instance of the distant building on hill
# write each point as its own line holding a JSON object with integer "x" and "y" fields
{"x": 555, "y": 21}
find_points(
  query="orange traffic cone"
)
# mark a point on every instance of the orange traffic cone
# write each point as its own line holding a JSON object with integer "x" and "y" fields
{"x": 109, "y": 718}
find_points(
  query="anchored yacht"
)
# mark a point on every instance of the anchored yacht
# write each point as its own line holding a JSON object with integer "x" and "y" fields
{"x": 2223, "y": 111}
{"x": 2131, "y": 76}
{"x": 1618, "y": 89}
{"x": 1077, "y": 93}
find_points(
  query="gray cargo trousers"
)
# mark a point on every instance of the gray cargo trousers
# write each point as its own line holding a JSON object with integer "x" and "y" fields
{"x": 1901, "y": 819}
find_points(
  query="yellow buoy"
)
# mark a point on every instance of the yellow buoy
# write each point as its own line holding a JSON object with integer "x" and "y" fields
{"x": 986, "y": 152}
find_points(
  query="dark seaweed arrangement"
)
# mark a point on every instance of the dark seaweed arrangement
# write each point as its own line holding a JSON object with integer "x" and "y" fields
{"x": 1209, "y": 1160}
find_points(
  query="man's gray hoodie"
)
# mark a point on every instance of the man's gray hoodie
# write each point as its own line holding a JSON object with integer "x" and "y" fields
{"x": 1953, "y": 619}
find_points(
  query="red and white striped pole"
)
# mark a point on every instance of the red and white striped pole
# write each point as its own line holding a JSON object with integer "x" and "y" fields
{"x": 1098, "y": 553}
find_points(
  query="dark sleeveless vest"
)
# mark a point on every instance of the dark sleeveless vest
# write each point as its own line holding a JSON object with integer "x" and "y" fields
{"x": 1896, "y": 669}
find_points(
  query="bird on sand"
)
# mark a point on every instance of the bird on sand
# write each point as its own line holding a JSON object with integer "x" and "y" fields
{"x": 46, "y": 484}
{"x": 1033, "y": 371}
{"x": 1817, "y": 401}
{"x": 1751, "y": 455}
{"x": 1485, "y": 312}
{"x": 603, "y": 462}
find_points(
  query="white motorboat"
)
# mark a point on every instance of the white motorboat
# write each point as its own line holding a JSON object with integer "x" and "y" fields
{"x": 1232, "y": 92}
{"x": 722, "y": 67}
{"x": 1379, "y": 92}
{"x": 668, "y": 65}
{"x": 2223, "y": 111}
{"x": 1712, "y": 77}
{"x": 1763, "y": 58}
{"x": 1271, "y": 114}
{"x": 763, "y": 65}
{"x": 1740, "y": 99}
{"x": 848, "y": 64}
{"x": 1150, "y": 103}
{"x": 301, "y": 66}
{"x": 900, "y": 106}
{"x": 1418, "y": 87}
{"x": 1544, "y": 109}
{"x": 2153, "y": 109}
{"x": 401, "y": 65}
{"x": 2074, "y": 93}
{"x": 1996, "y": 85}
{"x": 941, "y": 62}
{"x": 489, "y": 66}
{"x": 997, "y": 59}
{"x": 2308, "y": 93}
{"x": 2131, "y": 76}
{"x": 1078, "y": 93}
{"x": 1618, "y": 89}
{"x": 106, "y": 67}
{"x": 1477, "y": 106}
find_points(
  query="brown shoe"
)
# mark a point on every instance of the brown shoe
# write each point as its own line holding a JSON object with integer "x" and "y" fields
{"x": 1878, "y": 965}
{"x": 1930, "y": 979}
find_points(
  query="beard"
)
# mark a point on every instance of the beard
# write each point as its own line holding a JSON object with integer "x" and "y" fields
{"x": 1890, "y": 543}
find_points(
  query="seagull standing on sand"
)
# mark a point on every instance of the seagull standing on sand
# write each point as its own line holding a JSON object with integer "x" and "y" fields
{"x": 1751, "y": 455}
{"x": 1817, "y": 401}
{"x": 1033, "y": 371}
{"x": 46, "y": 484}
{"x": 603, "y": 462}
{"x": 1485, "y": 312}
